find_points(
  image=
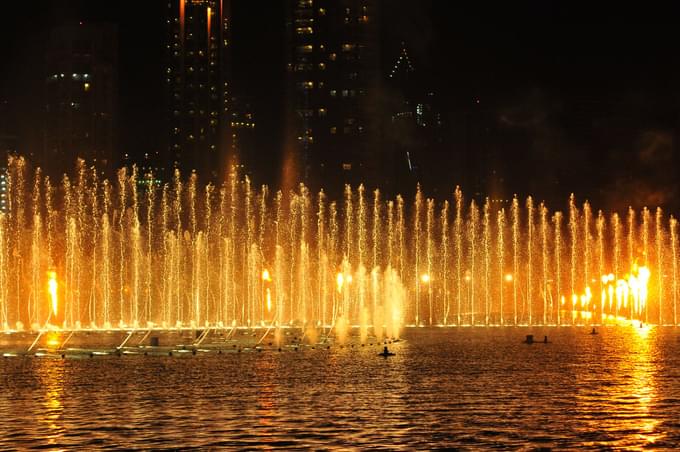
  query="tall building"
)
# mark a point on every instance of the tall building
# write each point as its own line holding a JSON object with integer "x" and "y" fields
{"x": 198, "y": 86}
{"x": 333, "y": 99}
{"x": 81, "y": 96}
{"x": 414, "y": 129}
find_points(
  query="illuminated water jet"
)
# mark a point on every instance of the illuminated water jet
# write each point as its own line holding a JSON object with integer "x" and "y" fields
{"x": 129, "y": 255}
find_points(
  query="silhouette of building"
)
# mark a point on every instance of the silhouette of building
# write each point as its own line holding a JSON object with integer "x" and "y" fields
{"x": 197, "y": 77}
{"x": 414, "y": 132}
{"x": 81, "y": 95}
{"x": 333, "y": 126}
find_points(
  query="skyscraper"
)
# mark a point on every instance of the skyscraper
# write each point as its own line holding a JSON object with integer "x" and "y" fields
{"x": 414, "y": 128}
{"x": 333, "y": 98}
{"x": 198, "y": 85}
{"x": 81, "y": 93}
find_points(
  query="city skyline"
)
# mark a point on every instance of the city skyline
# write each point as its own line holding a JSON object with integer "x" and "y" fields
{"x": 584, "y": 107}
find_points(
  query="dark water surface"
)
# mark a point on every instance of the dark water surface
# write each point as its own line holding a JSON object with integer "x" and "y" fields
{"x": 468, "y": 388}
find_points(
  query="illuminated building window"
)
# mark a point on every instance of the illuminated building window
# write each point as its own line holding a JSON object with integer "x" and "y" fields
{"x": 347, "y": 47}
{"x": 333, "y": 93}
{"x": 347, "y": 166}
{"x": 322, "y": 12}
{"x": 322, "y": 112}
{"x": 332, "y": 56}
{"x": 305, "y": 49}
{"x": 334, "y": 130}
{"x": 86, "y": 86}
{"x": 304, "y": 30}
{"x": 322, "y": 66}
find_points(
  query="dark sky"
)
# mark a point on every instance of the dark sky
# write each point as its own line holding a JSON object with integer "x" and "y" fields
{"x": 569, "y": 97}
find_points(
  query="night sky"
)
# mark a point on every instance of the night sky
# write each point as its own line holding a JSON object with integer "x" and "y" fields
{"x": 567, "y": 98}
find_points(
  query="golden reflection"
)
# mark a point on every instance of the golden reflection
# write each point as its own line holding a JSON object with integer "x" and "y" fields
{"x": 51, "y": 374}
{"x": 629, "y": 393}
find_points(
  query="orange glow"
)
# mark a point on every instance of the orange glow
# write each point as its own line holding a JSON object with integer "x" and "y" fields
{"x": 340, "y": 280}
{"x": 508, "y": 277}
{"x": 209, "y": 14}
{"x": 181, "y": 21}
{"x": 52, "y": 289}
{"x": 425, "y": 278}
{"x": 265, "y": 275}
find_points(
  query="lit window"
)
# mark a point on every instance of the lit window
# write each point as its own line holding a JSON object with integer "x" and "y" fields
{"x": 305, "y": 49}
{"x": 86, "y": 86}
{"x": 322, "y": 112}
{"x": 334, "y": 130}
{"x": 322, "y": 12}
{"x": 332, "y": 56}
{"x": 322, "y": 66}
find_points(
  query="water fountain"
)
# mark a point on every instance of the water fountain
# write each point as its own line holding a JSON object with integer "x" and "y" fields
{"x": 87, "y": 253}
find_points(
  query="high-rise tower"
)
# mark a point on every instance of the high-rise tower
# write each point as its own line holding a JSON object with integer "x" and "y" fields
{"x": 197, "y": 79}
{"x": 81, "y": 96}
{"x": 333, "y": 80}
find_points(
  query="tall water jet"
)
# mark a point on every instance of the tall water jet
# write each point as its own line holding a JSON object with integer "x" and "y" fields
{"x": 458, "y": 234}
{"x": 557, "y": 220}
{"x": 515, "y": 254}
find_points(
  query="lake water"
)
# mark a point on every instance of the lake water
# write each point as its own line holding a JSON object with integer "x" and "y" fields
{"x": 468, "y": 388}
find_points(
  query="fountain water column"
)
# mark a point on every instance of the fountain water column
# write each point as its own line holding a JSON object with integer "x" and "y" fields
{"x": 278, "y": 260}
{"x": 94, "y": 221}
{"x": 322, "y": 260}
{"x": 631, "y": 247}
{"x": 645, "y": 249}
{"x": 177, "y": 253}
{"x": 500, "y": 251}
{"x": 587, "y": 253}
{"x": 401, "y": 247}
{"x": 362, "y": 249}
{"x": 557, "y": 220}
{"x": 544, "y": 259}
{"x": 444, "y": 256}
{"x": 600, "y": 263}
{"x": 231, "y": 251}
{"x": 573, "y": 233}
{"x": 458, "y": 234}
{"x": 333, "y": 252}
{"x": 429, "y": 253}
{"x": 616, "y": 226}
{"x": 530, "y": 252}
{"x": 486, "y": 244}
{"x": 4, "y": 317}
{"x": 674, "y": 252}
{"x": 50, "y": 216}
{"x": 416, "y": 252}
{"x": 473, "y": 225}
{"x": 205, "y": 279}
{"x": 34, "y": 301}
{"x": 514, "y": 211}
{"x": 135, "y": 250}
{"x": 80, "y": 233}
{"x": 660, "y": 270}
{"x": 376, "y": 244}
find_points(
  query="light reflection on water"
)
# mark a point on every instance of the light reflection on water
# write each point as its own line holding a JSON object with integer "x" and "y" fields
{"x": 466, "y": 388}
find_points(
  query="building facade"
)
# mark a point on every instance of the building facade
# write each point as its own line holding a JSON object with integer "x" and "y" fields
{"x": 333, "y": 98}
{"x": 81, "y": 92}
{"x": 198, "y": 86}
